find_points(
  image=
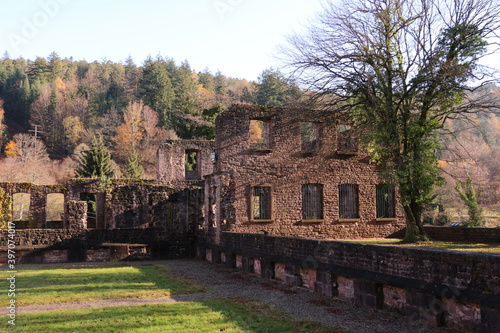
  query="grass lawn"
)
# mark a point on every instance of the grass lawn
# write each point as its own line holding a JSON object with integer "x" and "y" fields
{"x": 221, "y": 315}
{"x": 468, "y": 247}
{"x": 61, "y": 285}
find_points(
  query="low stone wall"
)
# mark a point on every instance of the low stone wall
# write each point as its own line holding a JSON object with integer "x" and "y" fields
{"x": 46, "y": 246}
{"x": 437, "y": 287}
{"x": 459, "y": 234}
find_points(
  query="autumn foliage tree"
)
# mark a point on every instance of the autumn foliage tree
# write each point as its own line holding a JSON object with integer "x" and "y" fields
{"x": 131, "y": 132}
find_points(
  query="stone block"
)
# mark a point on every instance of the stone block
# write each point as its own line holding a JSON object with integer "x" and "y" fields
{"x": 424, "y": 308}
{"x": 368, "y": 294}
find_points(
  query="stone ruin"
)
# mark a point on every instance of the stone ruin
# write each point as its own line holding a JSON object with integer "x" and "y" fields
{"x": 279, "y": 171}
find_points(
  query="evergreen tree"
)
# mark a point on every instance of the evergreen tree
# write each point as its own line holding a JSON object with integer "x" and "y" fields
{"x": 469, "y": 196}
{"x": 274, "y": 89}
{"x": 95, "y": 162}
{"x": 133, "y": 168}
{"x": 156, "y": 89}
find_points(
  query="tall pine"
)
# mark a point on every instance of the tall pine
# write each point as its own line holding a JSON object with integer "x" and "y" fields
{"x": 95, "y": 162}
{"x": 133, "y": 168}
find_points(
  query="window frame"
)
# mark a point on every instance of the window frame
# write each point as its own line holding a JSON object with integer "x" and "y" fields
{"x": 349, "y": 189}
{"x": 266, "y": 137}
{"x": 269, "y": 203}
{"x": 389, "y": 204}
{"x": 311, "y": 205}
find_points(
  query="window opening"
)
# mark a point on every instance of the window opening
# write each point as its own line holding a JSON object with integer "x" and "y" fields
{"x": 54, "y": 211}
{"x": 91, "y": 200}
{"x": 169, "y": 216}
{"x": 348, "y": 201}
{"x": 309, "y": 136}
{"x": 259, "y": 134}
{"x": 261, "y": 203}
{"x": 385, "y": 198}
{"x": 346, "y": 139}
{"x": 21, "y": 207}
{"x": 312, "y": 202}
{"x": 191, "y": 165}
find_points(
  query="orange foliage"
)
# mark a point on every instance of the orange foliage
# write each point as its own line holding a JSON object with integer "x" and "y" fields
{"x": 11, "y": 149}
{"x": 257, "y": 132}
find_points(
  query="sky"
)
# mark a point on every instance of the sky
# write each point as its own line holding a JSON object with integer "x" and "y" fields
{"x": 237, "y": 37}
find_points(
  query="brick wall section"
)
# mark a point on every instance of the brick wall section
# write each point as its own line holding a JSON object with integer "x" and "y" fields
{"x": 170, "y": 162}
{"x": 421, "y": 283}
{"x": 123, "y": 204}
{"x": 285, "y": 168}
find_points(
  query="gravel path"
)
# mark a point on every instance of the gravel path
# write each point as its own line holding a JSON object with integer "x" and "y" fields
{"x": 225, "y": 282}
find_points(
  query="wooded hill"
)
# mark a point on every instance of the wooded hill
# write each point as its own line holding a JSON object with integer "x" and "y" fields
{"x": 65, "y": 102}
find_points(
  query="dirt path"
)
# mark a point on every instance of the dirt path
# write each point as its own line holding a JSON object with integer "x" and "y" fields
{"x": 225, "y": 282}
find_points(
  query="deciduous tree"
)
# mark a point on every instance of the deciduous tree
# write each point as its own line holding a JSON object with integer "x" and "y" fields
{"x": 399, "y": 69}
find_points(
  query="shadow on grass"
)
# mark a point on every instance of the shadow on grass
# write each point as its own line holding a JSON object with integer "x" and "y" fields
{"x": 219, "y": 315}
{"x": 46, "y": 286}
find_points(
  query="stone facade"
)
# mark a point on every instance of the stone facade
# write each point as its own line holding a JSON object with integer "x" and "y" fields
{"x": 274, "y": 156}
{"x": 171, "y": 160}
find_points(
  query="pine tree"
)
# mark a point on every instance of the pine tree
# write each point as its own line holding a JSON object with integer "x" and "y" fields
{"x": 156, "y": 89}
{"x": 95, "y": 162}
{"x": 133, "y": 168}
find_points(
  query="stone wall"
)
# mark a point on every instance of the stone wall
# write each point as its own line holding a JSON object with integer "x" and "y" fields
{"x": 121, "y": 204}
{"x": 284, "y": 166}
{"x": 38, "y": 199}
{"x": 53, "y": 237}
{"x": 436, "y": 287}
{"x": 171, "y": 160}
{"x": 43, "y": 246}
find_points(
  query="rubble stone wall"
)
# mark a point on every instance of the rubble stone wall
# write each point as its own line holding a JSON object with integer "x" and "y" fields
{"x": 284, "y": 166}
{"x": 171, "y": 160}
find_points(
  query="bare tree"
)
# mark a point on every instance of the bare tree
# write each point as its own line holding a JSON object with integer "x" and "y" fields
{"x": 398, "y": 69}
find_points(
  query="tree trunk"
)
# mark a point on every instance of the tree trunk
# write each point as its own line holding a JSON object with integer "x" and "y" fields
{"x": 415, "y": 231}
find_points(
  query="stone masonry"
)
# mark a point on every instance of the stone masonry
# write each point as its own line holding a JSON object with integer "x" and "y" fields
{"x": 282, "y": 164}
{"x": 171, "y": 160}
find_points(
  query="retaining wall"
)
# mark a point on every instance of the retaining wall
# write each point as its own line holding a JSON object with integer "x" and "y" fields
{"x": 437, "y": 287}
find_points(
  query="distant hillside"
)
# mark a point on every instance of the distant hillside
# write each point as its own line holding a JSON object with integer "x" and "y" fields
{"x": 132, "y": 106}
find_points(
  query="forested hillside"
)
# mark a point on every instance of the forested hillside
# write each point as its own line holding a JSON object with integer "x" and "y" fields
{"x": 66, "y": 102}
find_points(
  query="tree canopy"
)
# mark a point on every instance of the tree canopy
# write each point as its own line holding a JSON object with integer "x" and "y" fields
{"x": 398, "y": 70}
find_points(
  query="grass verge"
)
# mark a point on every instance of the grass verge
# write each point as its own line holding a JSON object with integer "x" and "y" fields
{"x": 454, "y": 246}
{"x": 61, "y": 285}
{"x": 220, "y": 315}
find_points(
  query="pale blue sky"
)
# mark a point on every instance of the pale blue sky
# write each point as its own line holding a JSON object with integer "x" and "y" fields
{"x": 237, "y": 37}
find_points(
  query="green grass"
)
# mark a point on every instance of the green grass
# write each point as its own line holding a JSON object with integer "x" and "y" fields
{"x": 58, "y": 285}
{"x": 467, "y": 247}
{"x": 221, "y": 315}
